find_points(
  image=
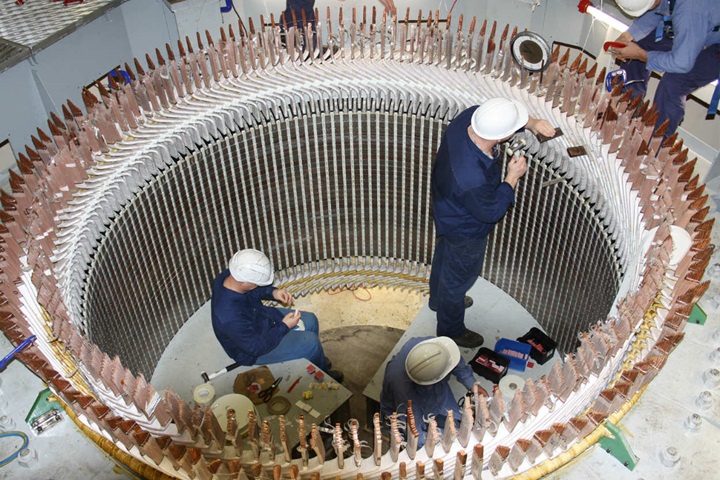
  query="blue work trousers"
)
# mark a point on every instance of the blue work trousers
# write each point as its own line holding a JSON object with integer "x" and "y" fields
{"x": 674, "y": 88}
{"x": 456, "y": 265}
{"x": 298, "y": 344}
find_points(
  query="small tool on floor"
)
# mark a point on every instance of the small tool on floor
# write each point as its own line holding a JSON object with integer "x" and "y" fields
{"x": 294, "y": 384}
{"x": 207, "y": 377}
{"x": 267, "y": 394}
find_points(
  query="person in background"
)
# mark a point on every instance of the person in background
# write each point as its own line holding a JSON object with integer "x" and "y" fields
{"x": 308, "y": 6}
{"x": 468, "y": 198}
{"x": 680, "y": 39}
{"x": 252, "y": 333}
{"x": 421, "y": 372}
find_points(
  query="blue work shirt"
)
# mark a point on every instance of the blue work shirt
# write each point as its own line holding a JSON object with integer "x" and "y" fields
{"x": 693, "y": 22}
{"x": 436, "y": 399}
{"x": 245, "y": 327}
{"x": 468, "y": 196}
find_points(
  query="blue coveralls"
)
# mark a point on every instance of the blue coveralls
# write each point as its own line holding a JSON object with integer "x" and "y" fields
{"x": 468, "y": 199}
{"x": 688, "y": 61}
{"x": 427, "y": 400}
{"x": 298, "y": 6}
{"x": 252, "y": 333}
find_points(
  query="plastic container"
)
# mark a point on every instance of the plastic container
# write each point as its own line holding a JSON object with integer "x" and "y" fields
{"x": 543, "y": 347}
{"x": 517, "y": 352}
{"x": 489, "y": 364}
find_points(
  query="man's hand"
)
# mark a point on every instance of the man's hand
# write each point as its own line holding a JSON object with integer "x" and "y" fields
{"x": 516, "y": 168}
{"x": 632, "y": 51}
{"x": 543, "y": 127}
{"x": 389, "y": 6}
{"x": 478, "y": 390}
{"x": 292, "y": 319}
{"x": 283, "y": 296}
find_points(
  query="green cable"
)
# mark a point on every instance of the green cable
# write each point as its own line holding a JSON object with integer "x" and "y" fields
{"x": 12, "y": 457}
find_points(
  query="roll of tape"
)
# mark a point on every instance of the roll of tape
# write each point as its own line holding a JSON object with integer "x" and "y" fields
{"x": 204, "y": 394}
{"x": 278, "y": 405}
{"x": 509, "y": 384}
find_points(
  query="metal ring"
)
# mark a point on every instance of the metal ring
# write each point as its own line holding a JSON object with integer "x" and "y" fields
{"x": 278, "y": 405}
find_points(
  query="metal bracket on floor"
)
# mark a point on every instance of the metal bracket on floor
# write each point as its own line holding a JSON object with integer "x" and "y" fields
{"x": 45, "y": 412}
{"x": 615, "y": 444}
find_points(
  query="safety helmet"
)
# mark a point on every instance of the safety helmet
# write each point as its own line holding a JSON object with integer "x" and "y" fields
{"x": 252, "y": 266}
{"x": 431, "y": 360}
{"x": 635, "y": 8}
{"x": 499, "y": 118}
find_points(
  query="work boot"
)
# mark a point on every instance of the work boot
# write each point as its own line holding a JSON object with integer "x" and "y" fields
{"x": 328, "y": 363}
{"x": 468, "y": 303}
{"x": 468, "y": 339}
{"x": 336, "y": 375}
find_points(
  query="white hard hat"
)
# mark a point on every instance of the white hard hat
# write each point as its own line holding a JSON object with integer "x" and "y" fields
{"x": 431, "y": 360}
{"x": 252, "y": 266}
{"x": 499, "y": 118}
{"x": 635, "y": 8}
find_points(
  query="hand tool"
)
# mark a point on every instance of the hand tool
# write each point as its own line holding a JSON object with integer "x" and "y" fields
{"x": 293, "y": 384}
{"x": 266, "y": 395}
{"x": 206, "y": 378}
{"x": 611, "y": 46}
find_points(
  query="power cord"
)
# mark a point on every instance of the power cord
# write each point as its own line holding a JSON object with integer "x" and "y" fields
{"x": 12, "y": 457}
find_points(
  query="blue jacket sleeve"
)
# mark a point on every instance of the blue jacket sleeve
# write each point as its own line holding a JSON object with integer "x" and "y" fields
{"x": 489, "y": 203}
{"x": 265, "y": 293}
{"x": 645, "y": 24}
{"x": 464, "y": 373}
{"x": 690, "y": 28}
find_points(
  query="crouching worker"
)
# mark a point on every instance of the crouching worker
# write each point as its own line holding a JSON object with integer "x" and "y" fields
{"x": 420, "y": 372}
{"x": 252, "y": 333}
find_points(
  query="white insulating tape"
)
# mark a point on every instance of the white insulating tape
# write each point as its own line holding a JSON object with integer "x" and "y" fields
{"x": 203, "y": 394}
{"x": 509, "y": 384}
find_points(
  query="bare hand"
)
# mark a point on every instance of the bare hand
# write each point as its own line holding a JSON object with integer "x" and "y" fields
{"x": 632, "y": 51}
{"x": 516, "y": 168}
{"x": 292, "y": 319}
{"x": 478, "y": 390}
{"x": 389, "y": 6}
{"x": 283, "y": 296}
{"x": 543, "y": 127}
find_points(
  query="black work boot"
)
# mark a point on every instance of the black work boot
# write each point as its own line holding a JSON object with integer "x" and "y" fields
{"x": 468, "y": 303}
{"x": 468, "y": 339}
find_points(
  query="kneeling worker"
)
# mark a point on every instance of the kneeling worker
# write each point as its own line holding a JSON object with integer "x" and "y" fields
{"x": 420, "y": 372}
{"x": 252, "y": 333}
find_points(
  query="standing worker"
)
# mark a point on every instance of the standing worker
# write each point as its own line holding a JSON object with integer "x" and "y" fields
{"x": 308, "y": 6}
{"x": 468, "y": 199}
{"x": 420, "y": 372}
{"x": 255, "y": 334}
{"x": 681, "y": 39}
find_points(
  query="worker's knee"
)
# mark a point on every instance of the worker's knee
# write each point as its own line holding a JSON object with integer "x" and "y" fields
{"x": 309, "y": 344}
{"x": 310, "y": 321}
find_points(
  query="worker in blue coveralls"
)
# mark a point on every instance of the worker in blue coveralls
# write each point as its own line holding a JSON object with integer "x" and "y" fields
{"x": 681, "y": 39}
{"x": 420, "y": 372}
{"x": 468, "y": 198}
{"x": 252, "y": 333}
{"x": 308, "y": 6}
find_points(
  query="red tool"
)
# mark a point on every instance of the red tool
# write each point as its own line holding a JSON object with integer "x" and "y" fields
{"x": 613, "y": 45}
{"x": 293, "y": 385}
